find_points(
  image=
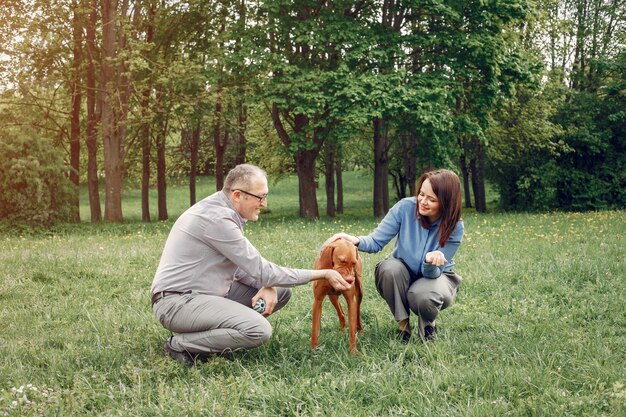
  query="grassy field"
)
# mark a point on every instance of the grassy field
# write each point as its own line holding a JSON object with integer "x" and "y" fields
{"x": 538, "y": 327}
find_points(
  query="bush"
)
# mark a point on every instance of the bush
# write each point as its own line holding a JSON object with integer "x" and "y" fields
{"x": 592, "y": 175}
{"x": 574, "y": 159}
{"x": 34, "y": 187}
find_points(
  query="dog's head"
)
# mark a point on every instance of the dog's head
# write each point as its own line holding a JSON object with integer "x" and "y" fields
{"x": 342, "y": 256}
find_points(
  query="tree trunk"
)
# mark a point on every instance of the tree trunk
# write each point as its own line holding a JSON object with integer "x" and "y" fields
{"x": 92, "y": 118}
{"x": 329, "y": 175}
{"x": 305, "y": 163}
{"x": 466, "y": 181}
{"x": 194, "y": 146}
{"x": 381, "y": 169}
{"x": 579, "y": 64}
{"x": 477, "y": 167}
{"x": 219, "y": 144}
{"x": 305, "y": 167}
{"x": 339, "y": 173}
{"x": 465, "y": 170}
{"x": 241, "y": 130}
{"x": 146, "y": 143}
{"x": 76, "y": 93}
{"x": 410, "y": 163}
{"x": 146, "y": 140}
{"x": 161, "y": 175}
{"x": 113, "y": 151}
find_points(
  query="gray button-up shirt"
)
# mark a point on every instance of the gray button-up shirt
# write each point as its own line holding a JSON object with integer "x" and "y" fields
{"x": 206, "y": 250}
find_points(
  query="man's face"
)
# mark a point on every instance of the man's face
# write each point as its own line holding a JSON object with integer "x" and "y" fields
{"x": 246, "y": 201}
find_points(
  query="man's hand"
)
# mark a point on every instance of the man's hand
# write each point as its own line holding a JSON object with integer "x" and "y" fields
{"x": 436, "y": 258}
{"x": 270, "y": 296}
{"x": 334, "y": 278}
{"x": 337, "y": 281}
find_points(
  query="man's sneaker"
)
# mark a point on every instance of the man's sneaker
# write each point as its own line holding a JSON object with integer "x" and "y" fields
{"x": 227, "y": 354}
{"x": 183, "y": 357}
{"x": 404, "y": 337}
{"x": 430, "y": 331}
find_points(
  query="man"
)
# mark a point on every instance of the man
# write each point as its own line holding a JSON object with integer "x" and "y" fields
{"x": 210, "y": 275}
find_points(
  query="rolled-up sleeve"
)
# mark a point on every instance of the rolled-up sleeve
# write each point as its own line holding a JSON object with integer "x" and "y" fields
{"x": 449, "y": 250}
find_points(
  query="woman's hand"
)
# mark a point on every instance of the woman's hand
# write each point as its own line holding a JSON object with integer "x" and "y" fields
{"x": 270, "y": 296}
{"x": 436, "y": 258}
{"x": 353, "y": 239}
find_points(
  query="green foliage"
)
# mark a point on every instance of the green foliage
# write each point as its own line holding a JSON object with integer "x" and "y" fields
{"x": 443, "y": 76}
{"x": 523, "y": 147}
{"x": 314, "y": 94}
{"x": 592, "y": 175}
{"x": 562, "y": 146}
{"x": 264, "y": 148}
{"x": 34, "y": 187}
{"x": 569, "y": 156}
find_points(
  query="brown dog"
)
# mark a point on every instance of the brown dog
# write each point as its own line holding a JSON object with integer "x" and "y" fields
{"x": 342, "y": 256}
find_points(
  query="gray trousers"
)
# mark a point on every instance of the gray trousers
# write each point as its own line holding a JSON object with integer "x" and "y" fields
{"x": 212, "y": 324}
{"x": 404, "y": 293}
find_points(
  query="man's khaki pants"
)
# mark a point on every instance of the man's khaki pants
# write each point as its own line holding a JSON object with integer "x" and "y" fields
{"x": 212, "y": 324}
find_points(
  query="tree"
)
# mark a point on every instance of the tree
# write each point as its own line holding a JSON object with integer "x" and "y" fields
{"x": 391, "y": 20}
{"x": 116, "y": 86}
{"x": 41, "y": 70}
{"x": 524, "y": 145}
{"x": 146, "y": 125}
{"x": 558, "y": 140}
{"x": 34, "y": 185}
{"x": 482, "y": 64}
{"x": 306, "y": 46}
{"x": 76, "y": 102}
{"x": 93, "y": 115}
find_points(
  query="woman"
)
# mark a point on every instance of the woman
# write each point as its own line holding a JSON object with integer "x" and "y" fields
{"x": 418, "y": 276}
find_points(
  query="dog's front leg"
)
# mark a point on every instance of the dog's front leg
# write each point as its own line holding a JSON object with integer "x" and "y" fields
{"x": 334, "y": 299}
{"x": 316, "y": 321}
{"x": 353, "y": 319}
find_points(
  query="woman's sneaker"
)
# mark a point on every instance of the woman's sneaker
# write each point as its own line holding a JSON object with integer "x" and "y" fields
{"x": 430, "y": 331}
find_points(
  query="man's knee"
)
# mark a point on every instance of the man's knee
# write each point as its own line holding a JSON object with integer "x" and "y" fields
{"x": 284, "y": 295}
{"x": 259, "y": 334}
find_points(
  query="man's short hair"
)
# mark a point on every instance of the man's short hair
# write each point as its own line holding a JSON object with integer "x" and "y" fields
{"x": 241, "y": 177}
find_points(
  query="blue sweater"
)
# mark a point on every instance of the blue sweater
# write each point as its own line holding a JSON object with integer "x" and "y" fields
{"x": 414, "y": 241}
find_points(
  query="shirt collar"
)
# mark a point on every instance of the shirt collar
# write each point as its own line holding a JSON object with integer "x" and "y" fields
{"x": 435, "y": 223}
{"x": 229, "y": 204}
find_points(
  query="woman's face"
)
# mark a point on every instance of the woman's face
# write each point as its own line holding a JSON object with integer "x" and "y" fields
{"x": 428, "y": 203}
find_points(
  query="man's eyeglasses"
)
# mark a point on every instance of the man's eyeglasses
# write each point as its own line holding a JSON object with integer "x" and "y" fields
{"x": 258, "y": 197}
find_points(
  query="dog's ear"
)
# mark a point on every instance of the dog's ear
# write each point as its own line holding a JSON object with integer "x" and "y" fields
{"x": 358, "y": 271}
{"x": 358, "y": 268}
{"x": 325, "y": 257}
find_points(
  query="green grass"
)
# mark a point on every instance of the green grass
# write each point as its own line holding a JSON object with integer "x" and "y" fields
{"x": 538, "y": 327}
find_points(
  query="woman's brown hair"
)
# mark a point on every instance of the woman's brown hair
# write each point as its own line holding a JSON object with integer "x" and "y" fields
{"x": 447, "y": 188}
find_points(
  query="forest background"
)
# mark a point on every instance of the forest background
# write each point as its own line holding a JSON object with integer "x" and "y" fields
{"x": 527, "y": 96}
{"x": 104, "y": 102}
